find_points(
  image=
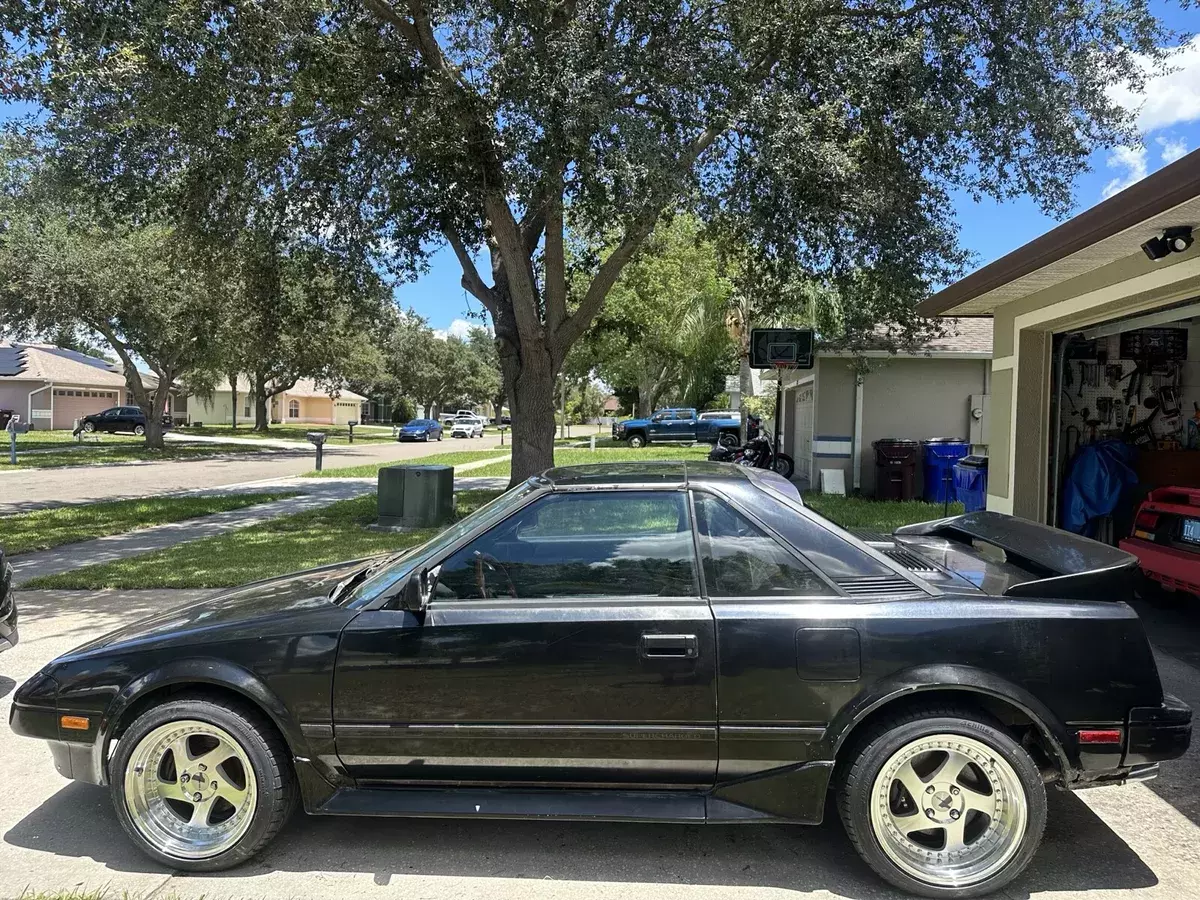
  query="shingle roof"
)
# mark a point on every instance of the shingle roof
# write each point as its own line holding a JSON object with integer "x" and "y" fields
{"x": 305, "y": 387}
{"x": 969, "y": 334}
{"x": 44, "y": 362}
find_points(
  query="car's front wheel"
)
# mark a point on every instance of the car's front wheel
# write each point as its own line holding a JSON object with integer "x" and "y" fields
{"x": 636, "y": 441}
{"x": 943, "y": 803}
{"x": 89, "y": 427}
{"x": 201, "y": 784}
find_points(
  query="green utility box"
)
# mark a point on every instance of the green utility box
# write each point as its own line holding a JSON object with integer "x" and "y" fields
{"x": 416, "y": 496}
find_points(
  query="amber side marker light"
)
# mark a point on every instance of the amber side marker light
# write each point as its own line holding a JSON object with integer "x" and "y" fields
{"x": 75, "y": 723}
{"x": 1100, "y": 736}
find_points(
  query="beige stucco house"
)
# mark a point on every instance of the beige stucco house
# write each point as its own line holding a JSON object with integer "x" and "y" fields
{"x": 1087, "y": 299}
{"x": 302, "y": 404}
{"x": 832, "y": 415}
{"x": 50, "y": 387}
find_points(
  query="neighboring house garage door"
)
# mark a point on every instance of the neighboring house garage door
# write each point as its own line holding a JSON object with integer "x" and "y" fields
{"x": 802, "y": 433}
{"x": 73, "y": 403}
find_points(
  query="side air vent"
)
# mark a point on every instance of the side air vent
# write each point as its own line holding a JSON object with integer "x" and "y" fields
{"x": 909, "y": 560}
{"x": 871, "y": 537}
{"x": 877, "y": 586}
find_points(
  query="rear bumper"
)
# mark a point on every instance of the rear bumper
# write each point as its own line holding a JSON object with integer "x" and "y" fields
{"x": 1158, "y": 733}
{"x": 1177, "y": 569}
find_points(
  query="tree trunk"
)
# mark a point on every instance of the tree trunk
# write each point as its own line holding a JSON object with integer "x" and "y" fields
{"x": 498, "y": 400}
{"x": 233, "y": 400}
{"x": 262, "y": 422}
{"x": 529, "y": 386}
{"x": 746, "y": 384}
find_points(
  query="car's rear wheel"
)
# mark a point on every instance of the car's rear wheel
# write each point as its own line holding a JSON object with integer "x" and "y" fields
{"x": 728, "y": 439}
{"x": 201, "y": 785}
{"x": 943, "y": 804}
{"x": 139, "y": 430}
{"x": 636, "y": 441}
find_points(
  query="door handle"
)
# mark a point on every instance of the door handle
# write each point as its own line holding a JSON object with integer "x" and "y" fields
{"x": 669, "y": 646}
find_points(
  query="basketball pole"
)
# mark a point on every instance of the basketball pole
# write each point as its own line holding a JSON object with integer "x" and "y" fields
{"x": 778, "y": 412}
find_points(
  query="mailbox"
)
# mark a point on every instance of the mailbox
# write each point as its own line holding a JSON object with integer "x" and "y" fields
{"x": 351, "y": 424}
{"x": 317, "y": 439}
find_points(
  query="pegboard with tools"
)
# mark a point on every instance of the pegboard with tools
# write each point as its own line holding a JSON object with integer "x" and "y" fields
{"x": 1140, "y": 401}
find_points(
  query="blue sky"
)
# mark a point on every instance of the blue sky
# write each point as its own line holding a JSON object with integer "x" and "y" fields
{"x": 1169, "y": 119}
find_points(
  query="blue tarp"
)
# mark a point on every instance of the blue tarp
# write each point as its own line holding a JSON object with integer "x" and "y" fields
{"x": 1097, "y": 475}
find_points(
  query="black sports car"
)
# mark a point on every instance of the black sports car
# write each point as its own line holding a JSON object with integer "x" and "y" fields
{"x": 681, "y": 642}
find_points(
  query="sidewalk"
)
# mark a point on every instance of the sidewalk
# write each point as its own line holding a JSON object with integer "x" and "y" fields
{"x": 144, "y": 540}
{"x": 314, "y": 493}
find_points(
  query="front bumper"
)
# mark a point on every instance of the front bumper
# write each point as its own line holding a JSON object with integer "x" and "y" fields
{"x": 423, "y": 436}
{"x": 35, "y": 714}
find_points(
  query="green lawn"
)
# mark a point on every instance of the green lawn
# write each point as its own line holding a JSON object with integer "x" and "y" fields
{"x": 57, "y": 440}
{"x": 108, "y": 453}
{"x": 46, "y": 528}
{"x": 335, "y": 434}
{"x": 276, "y": 547}
{"x": 451, "y": 458}
{"x": 876, "y": 515}
{"x": 620, "y": 453}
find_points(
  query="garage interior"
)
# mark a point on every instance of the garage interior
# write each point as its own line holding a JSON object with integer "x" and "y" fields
{"x": 1128, "y": 391}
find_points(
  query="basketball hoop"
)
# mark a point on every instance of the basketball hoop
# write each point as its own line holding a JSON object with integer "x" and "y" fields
{"x": 780, "y": 349}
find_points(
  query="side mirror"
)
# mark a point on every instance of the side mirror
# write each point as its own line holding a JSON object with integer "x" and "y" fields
{"x": 418, "y": 590}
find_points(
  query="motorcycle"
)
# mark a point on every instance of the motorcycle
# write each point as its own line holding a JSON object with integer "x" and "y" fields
{"x": 756, "y": 453}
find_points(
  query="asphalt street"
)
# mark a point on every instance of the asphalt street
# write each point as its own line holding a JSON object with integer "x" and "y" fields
{"x": 1140, "y": 842}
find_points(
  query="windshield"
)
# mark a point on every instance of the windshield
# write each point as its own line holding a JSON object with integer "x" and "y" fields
{"x": 394, "y": 569}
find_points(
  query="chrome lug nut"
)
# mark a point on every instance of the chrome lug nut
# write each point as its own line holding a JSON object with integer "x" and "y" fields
{"x": 929, "y": 790}
{"x": 955, "y": 791}
{"x": 185, "y": 778}
{"x": 197, "y": 797}
{"x": 929, "y": 812}
{"x": 954, "y": 814}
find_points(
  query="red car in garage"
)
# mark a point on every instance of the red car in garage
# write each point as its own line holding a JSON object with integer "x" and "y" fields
{"x": 1166, "y": 538}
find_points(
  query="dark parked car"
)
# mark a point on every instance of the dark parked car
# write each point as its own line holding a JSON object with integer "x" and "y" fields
{"x": 420, "y": 430}
{"x": 670, "y": 641}
{"x": 8, "y": 606}
{"x": 119, "y": 418}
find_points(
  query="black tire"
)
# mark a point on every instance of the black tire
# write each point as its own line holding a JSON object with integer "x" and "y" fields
{"x": 139, "y": 430}
{"x": 636, "y": 441}
{"x": 871, "y": 752}
{"x": 89, "y": 427}
{"x": 728, "y": 439}
{"x": 269, "y": 757}
{"x": 784, "y": 465}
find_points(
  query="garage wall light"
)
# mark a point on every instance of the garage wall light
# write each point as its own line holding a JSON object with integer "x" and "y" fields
{"x": 1173, "y": 240}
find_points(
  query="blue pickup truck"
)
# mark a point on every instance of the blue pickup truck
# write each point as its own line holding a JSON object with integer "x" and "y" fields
{"x": 680, "y": 426}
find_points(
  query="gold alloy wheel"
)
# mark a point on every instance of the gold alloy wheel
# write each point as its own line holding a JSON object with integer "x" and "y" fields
{"x": 190, "y": 789}
{"x": 948, "y": 810}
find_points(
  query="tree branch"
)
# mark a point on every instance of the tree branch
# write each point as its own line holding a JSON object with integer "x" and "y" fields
{"x": 388, "y": 13}
{"x": 472, "y": 282}
{"x": 555, "y": 257}
{"x": 515, "y": 266}
{"x": 841, "y": 11}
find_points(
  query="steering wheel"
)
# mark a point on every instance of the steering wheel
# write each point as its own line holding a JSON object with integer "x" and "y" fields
{"x": 486, "y": 560}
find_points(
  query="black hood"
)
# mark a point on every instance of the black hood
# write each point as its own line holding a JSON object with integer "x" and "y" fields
{"x": 262, "y": 606}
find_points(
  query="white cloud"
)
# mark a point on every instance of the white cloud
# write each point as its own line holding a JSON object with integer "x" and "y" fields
{"x": 1172, "y": 148}
{"x": 460, "y": 328}
{"x": 1170, "y": 99}
{"x": 1133, "y": 161}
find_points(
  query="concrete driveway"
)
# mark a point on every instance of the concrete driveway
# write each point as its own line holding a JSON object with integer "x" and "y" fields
{"x": 26, "y": 489}
{"x": 1141, "y": 841}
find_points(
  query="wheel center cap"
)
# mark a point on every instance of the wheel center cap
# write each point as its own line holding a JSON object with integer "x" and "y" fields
{"x": 945, "y": 804}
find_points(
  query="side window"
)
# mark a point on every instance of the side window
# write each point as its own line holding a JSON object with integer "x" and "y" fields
{"x": 741, "y": 560}
{"x": 612, "y": 544}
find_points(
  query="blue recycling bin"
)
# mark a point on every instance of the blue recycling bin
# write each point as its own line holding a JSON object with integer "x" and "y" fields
{"x": 940, "y": 456}
{"x": 970, "y": 482}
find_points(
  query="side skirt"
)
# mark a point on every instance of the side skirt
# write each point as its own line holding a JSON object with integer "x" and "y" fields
{"x": 767, "y": 801}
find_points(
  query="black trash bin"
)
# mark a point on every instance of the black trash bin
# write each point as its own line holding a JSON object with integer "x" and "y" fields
{"x": 896, "y": 468}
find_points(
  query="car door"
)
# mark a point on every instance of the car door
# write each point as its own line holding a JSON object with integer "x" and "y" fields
{"x": 683, "y": 428}
{"x": 131, "y": 417}
{"x": 110, "y": 420}
{"x": 786, "y": 658}
{"x": 660, "y": 426}
{"x": 566, "y": 645}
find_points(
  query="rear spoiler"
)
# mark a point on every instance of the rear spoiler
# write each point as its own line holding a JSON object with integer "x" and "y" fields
{"x": 1069, "y": 566}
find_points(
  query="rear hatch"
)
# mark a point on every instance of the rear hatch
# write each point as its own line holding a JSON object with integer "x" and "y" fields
{"x": 1003, "y": 555}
